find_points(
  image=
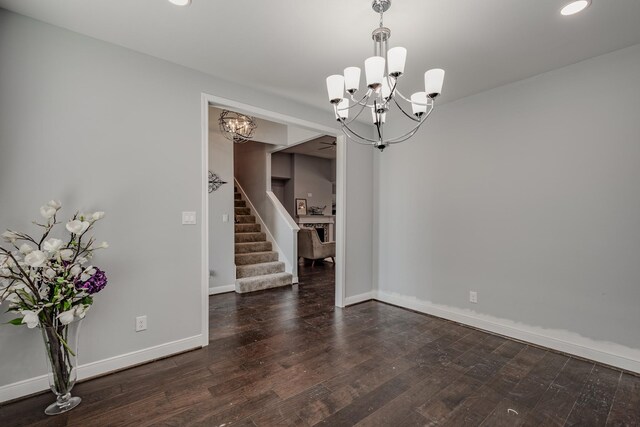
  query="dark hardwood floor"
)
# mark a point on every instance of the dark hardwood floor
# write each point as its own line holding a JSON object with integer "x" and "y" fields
{"x": 287, "y": 357}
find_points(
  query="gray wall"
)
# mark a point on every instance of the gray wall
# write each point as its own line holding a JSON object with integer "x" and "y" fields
{"x": 221, "y": 234}
{"x": 528, "y": 194}
{"x": 102, "y": 127}
{"x": 281, "y": 165}
{"x": 313, "y": 175}
{"x": 359, "y": 227}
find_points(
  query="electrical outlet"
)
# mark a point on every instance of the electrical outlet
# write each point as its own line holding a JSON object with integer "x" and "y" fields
{"x": 473, "y": 297}
{"x": 141, "y": 323}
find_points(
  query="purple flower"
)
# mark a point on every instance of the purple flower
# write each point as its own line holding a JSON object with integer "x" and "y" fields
{"x": 95, "y": 283}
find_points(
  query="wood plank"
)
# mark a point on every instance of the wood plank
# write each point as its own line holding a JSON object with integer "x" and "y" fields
{"x": 594, "y": 403}
{"x": 556, "y": 403}
{"x": 287, "y": 356}
{"x": 625, "y": 410}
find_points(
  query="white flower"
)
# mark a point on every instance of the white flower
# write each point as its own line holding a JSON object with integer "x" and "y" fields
{"x": 12, "y": 298}
{"x": 77, "y": 227}
{"x": 52, "y": 245}
{"x": 67, "y": 254}
{"x": 43, "y": 291}
{"x": 97, "y": 215}
{"x": 67, "y": 317}
{"x": 87, "y": 273}
{"x": 25, "y": 249}
{"x": 81, "y": 310}
{"x": 35, "y": 259}
{"x": 103, "y": 245}
{"x": 49, "y": 273}
{"x": 54, "y": 204}
{"x": 82, "y": 260}
{"x": 10, "y": 236}
{"x": 30, "y": 318}
{"x": 47, "y": 211}
{"x": 75, "y": 270}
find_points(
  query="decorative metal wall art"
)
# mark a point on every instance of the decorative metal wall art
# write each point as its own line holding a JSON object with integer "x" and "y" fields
{"x": 214, "y": 182}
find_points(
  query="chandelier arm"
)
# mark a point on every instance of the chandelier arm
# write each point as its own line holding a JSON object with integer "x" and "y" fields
{"x": 428, "y": 104}
{"x": 344, "y": 126}
{"x": 405, "y": 136}
{"x": 397, "y": 92}
{"x": 412, "y": 132}
{"x": 351, "y": 138}
{"x": 415, "y": 119}
{"x": 366, "y": 96}
{"x": 377, "y": 123}
{"x": 342, "y": 109}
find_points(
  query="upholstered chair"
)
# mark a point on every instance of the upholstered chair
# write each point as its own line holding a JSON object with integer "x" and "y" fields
{"x": 310, "y": 246}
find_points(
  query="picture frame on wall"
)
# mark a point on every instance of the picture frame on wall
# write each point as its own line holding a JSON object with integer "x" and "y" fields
{"x": 301, "y": 207}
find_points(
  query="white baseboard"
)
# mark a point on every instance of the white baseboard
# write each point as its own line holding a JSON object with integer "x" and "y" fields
{"x": 101, "y": 367}
{"x": 568, "y": 342}
{"x": 222, "y": 289}
{"x": 355, "y": 299}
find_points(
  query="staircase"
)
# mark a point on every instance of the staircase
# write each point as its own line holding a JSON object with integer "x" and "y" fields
{"x": 257, "y": 265}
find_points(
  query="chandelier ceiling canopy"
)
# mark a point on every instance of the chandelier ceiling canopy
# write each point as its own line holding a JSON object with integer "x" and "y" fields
{"x": 383, "y": 70}
{"x": 237, "y": 127}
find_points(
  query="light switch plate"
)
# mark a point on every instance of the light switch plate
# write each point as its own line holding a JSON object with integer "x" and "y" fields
{"x": 188, "y": 218}
{"x": 225, "y": 218}
{"x": 309, "y": 195}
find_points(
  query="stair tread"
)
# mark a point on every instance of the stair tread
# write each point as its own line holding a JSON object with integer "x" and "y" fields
{"x": 265, "y": 276}
{"x": 259, "y": 269}
{"x": 262, "y": 256}
{"x": 266, "y": 263}
{"x": 250, "y": 243}
{"x": 255, "y": 253}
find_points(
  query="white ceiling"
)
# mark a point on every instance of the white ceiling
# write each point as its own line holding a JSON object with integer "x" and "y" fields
{"x": 323, "y": 146}
{"x": 289, "y": 46}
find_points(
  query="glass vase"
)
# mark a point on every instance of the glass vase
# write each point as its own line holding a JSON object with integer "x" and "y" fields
{"x": 61, "y": 347}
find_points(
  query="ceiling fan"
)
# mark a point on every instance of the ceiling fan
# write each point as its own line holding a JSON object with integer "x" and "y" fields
{"x": 329, "y": 145}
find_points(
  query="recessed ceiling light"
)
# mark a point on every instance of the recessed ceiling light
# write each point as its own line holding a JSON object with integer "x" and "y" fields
{"x": 181, "y": 2}
{"x": 575, "y": 7}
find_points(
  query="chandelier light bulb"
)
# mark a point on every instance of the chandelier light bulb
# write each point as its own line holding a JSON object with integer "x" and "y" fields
{"x": 342, "y": 109}
{"x": 335, "y": 88}
{"x": 374, "y": 71}
{"x": 396, "y": 57}
{"x": 375, "y": 116}
{"x": 433, "y": 81}
{"x": 352, "y": 79}
{"x": 386, "y": 87}
{"x": 419, "y": 103}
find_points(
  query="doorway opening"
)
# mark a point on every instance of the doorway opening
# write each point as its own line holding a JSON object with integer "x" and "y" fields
{"x": 218, "y": 225}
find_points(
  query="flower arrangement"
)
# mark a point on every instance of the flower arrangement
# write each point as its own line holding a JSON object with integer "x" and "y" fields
{"x": 47, "y": 280}
{"x": 49, "y": 283}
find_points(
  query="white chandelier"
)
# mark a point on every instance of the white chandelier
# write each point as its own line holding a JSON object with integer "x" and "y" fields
{"x": 382, "y": 72}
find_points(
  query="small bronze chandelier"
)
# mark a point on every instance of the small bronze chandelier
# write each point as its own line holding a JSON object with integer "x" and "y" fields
{"x": 237, "y": 127}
